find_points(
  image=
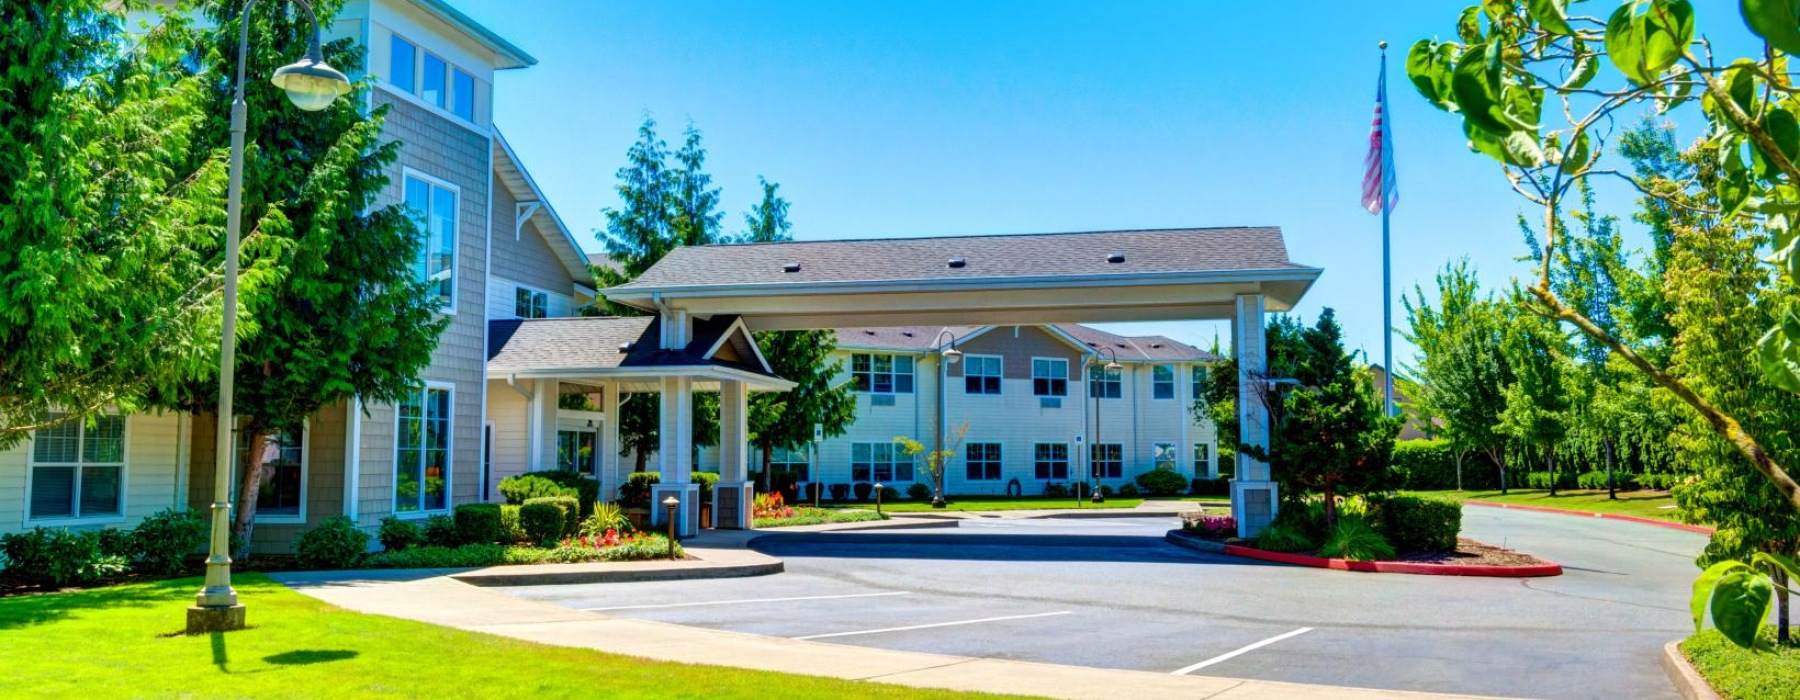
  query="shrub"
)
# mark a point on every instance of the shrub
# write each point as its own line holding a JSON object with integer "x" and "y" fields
{"x": 440, "y": 531}
{"x": 436, "y": 557}
{"x": 706, "y": 480}
{"x": 1596, "y": 480}
{"x": 524, "y": 487}
{"x": 889, "y": 494}
{"x": 587, "y": 488}
{"x": 840, "y": 492}
{"x": 635, "y": 492}
{"x": 1659, "y": 482}
{"x": 571, "y": 513}
{"x": 510, "y": 529}
{"x": 918, "y": 492}
{"x": 1129, "y": 491}
{"x": 863, "y": 489}
{"x": 478, "y": 523}
{"x": 606, "y": 516}
{"x": 1161, "y": 482}
{"x": 1106, "y": 491}
{"x": 1203, "y": 486}
{"x": 542, "y": 521}
{"x": 1306, "y": 517}
{"x": 1285, "y": 537}
{"x": 334, "y": 544}
{"x": 1056, "y": 490}
{"x": 1419, "y": 524}
{"x": 398, "y": 535}
{"x": 114, "y": 542}
{"x": 1430, "y": 465}
{"x": 814, "y": 490}
{"x": 770, "y": 506}
{"x": 161, "y": 544}
{"x": 1216, "y": 526}
{"x": 1541, "y": 480}
{"x": 59, "y": 557}
{"x": 1355, "y": 539}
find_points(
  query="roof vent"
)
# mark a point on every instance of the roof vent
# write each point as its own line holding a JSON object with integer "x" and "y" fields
{"x": 791, "y": 266}
{"x": 624, "y": 347}
{"x": 958, "y": 262}
{"x": 908, "y": 334}
{"x": 1156, "y": 345}
{"x": 868, "y": 332}
{"x": 1115, "y": 257}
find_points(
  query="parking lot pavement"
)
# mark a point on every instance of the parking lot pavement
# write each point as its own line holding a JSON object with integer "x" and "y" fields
{"x": 1108, "y": 593}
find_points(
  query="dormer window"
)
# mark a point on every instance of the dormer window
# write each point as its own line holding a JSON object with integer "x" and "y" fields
{"x": 431, "y": 79}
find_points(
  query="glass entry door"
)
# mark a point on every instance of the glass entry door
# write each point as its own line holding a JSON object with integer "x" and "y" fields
{"x": 576, "y": 450}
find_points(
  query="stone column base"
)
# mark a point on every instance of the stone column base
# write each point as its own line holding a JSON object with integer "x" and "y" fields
{"x": 687, "y": 515}
{"x": 1253, "y": 505}
{"x": 209, "y": 620}
{"x": 734, "y": 505}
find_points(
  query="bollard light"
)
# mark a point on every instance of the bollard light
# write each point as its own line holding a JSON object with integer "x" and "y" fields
{"x": 878, "y": 499}
{"x": 670, "y": 504}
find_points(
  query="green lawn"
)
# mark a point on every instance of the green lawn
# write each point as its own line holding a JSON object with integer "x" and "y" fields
{"x": 1740, "y": 674}
{"x": 1643, "y": 504}
{"x": 115, "y": 643}
{"x": 980, "y": 503}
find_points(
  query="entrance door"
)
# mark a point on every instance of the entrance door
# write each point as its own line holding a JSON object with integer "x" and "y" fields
{"x": 577, "y": 451}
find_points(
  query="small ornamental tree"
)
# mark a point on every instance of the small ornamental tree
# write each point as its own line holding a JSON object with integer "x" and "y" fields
{"x": 936, "y": 461}
{"x": 1537, "y": 401}
{"x": 1464, "y": 375}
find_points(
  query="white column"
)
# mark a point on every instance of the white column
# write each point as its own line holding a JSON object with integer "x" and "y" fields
{"x": 732, "y": 497}
{"x": 675, "y": 458}
{"x": 609, "y": 443}
{"x": 1253, "y": 495}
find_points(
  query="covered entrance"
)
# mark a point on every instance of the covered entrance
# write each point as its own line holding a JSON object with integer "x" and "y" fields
{"x": 1235, "y": 274}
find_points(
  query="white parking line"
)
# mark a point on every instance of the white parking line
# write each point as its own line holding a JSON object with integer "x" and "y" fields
{"x": 747, "y": 601}
{"x": 1245, "y": 650}
{"x": 934, "y": 624}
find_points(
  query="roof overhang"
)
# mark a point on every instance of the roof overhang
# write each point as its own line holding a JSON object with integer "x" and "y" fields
{"x": 706, "y": 377}
{"x": 507, "y": 55}
{"x": 1158, "y": 296}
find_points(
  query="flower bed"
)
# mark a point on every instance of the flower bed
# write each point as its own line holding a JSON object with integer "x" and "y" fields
{"x": 793, "y": 517}
{"x": 610, "y": 546}
{"x": 1471, "y": 558}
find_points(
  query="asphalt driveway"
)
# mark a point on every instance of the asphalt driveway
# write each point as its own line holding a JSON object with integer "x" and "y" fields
{"x": 1109, "y": 593}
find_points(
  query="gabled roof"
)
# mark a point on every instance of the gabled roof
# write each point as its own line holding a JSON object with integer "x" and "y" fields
{"x": 505, "y": 53}
{"x": 517, "y": 179}
{"x": 1151, "y": 348}
{"x": 1029, "y": 256}
{"x": 603, "y": 345}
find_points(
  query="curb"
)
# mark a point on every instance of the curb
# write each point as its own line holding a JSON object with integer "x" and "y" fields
{"x": 486, "y": 578}
{"x": 1603, "y": 516}
{"x": 1099, "y": 513}
{"x": 1688, "y": 682}
{"x": 872, "y": 525}
{"x": 1379, "y": 567}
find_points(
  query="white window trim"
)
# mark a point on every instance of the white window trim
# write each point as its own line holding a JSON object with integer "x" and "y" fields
{"x": 893, "y": 358}
{"x": 1065, "y": 365}
{"x": 1002, "y": 375}
{"x": 449, "y": 462}
{"x": 1002, "y": 461}
{"x": 534, "y": 290}
{"x": 1173, "y": 444}
{"x": 418, "y": 71}
{"x": 1068, "y": 461}
{"x": 124, "y": 487}
{"x": 1101, "y": 371}
{"x": 1092, "y": 462}
{"x": 455, "y": 244}
{"x": 305, "y": 479}
{"x": 1174, "y": 384}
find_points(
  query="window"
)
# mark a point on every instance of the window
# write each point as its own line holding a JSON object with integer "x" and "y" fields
{"x": 1202, "y": 458}
{"x": 1104, "y": 384}
{"x": 462, "y": 94}
{"x": 78, "y": 469}
{"x": 431, "y": 83}
{"x": 881, "y": 374}
{"x": 981, "y": 374}
{"x": 1199, "y": 381}
{"x": 284, "y": 466}
{"x": 1049, "y": 377}
{"x": 1162, "y": 382}
{"x": 1162, "y": 455}
{"x": 530, "y": 304}
{"x": 1050, "y": 461}
{"x": 792, "y": 463}
{"x": 433, "y": 207}
{"x": 422, "y": 462}
{"x": 580, "y": 397}
{"x": 879, "y": 462}
{"x": 1108, "y": 459}
{"x": 982, "y": 460}
{"x": 402, "y": 61}
{"x": 575, "y": 451}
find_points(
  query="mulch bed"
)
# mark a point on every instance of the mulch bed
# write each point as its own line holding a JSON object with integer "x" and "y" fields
{"x": 1472, "y": 553}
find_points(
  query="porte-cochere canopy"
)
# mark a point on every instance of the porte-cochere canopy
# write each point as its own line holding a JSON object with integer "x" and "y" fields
{"x": 1108, "y": 276}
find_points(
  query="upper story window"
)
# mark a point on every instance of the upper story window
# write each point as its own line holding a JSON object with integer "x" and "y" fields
{"x": 580, "y": 397}
{"x": 1162, "y": 382}
{"x": 78, "y": 469}
{"x": 981, "y": 374}
{"x": 529, "y": 303}
{"x": 881, "y": 374}
{"x": 433, "y": 206}
{"x": 1049, "y": 377}
{"x": 1199, "y": 381}
{"x": 1105, "y": 384}
{"x": 430, "y": 78}
{"x": 793, "y": 463}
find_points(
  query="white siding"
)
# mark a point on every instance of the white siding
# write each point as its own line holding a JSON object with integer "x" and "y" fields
{"x": 151, "y": 468}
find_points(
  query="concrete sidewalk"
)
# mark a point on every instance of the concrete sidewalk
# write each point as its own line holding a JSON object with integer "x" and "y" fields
{"x": 441, "y": 600}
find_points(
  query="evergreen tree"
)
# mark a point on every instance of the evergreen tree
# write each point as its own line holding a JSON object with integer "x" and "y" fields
{"x": 344, "y": 313}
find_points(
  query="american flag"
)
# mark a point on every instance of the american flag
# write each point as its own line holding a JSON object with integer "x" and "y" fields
{"x": 1378, "y": 166}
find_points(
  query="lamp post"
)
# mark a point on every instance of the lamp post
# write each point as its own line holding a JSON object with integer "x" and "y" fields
{"x": 1112, "y": 365}
{"x": 878, "y": 498}
{"x": 311, "y": 85}
{"x": 669, "y": 505}
{"x": 948, "y": 357}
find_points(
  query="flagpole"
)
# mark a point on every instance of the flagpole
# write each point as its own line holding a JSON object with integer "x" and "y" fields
{"x": 1387, "y": 292}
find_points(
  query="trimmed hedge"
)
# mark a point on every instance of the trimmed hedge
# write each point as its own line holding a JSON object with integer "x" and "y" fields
{"x": 1430, "y": 465}
{"x": 59, "y": 557}
{"x": 334, "y": 544}
{"x": 706, "y": 480}
{"x": 520, "y": 488}
{"x": 397, "y": 535}
{"x": 1161, "y": 482}
{"x": 477, "y": 523}
{"x": 161, "y": 543}
{"x": 635, "y": 492}
{"x": 1419, "y": 524}
{"x": 1210, "y": 487}
{"x": 510, "y": 529}
{"x": 587, "y": 488}
{"x": 571, "y": 512}
{"x": 542, "y": 520}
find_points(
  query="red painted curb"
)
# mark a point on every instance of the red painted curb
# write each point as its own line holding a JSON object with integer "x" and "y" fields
{"x": 1603, "y": 516}
{"x": 1397, "y": 567}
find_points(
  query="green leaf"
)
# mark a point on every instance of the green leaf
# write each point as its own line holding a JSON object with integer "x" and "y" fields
{"x": 1483, "y": 142}
{"x": 1740, "y": 604}
{"x": 1784, "y": 130}
{"x": 1776, "y": 355}
{"x": 1577, "y": 155}
{"x": 1468, "y": 24}
{"x": 1428, "y": 67}
{"x": 1521, "y": 149}
{"x": 1551, "y": 15}
{"x": 1741, "y": 85}
{"x": 1586, "y": 67}
{"x": 1668, "y": 28}
{"x": 1625, "y": 43}
{"x": 1703, "y": 589}
{"x": 1785, "y": 563}
{"x": 1475, "y": 87}
{"x": 1776, "y": 21}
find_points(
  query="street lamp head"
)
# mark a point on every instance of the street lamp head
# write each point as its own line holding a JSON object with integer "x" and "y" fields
{"x": 311, "y": 84}
{"x": 951, "y": 355}
{"x": 1114, "y": 366}
{"x": 671, "y": 502}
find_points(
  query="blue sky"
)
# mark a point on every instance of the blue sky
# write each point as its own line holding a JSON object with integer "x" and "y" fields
{"x": 942, "y": 118}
